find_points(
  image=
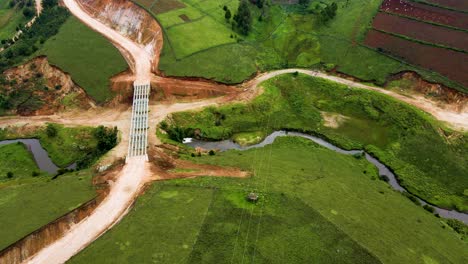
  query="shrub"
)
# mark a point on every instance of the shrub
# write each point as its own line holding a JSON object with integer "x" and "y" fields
{"x": 428, "y": 208}
{"x": 35, "y": 173}
{"x": 412, "y": 198}
{"x": 51, "y": 130}
{"x": 458, "y": 226}
{"x": 211, "y": 153}
{"x": 384, "y": 178}
{"x": 10, "y": 175}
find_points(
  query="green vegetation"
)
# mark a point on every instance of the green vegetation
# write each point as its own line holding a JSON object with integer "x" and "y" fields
{"x": 66, "y": 145}
{"x": 28, "y": 204}
{"x": 429, "y": 160}
{"x": 314, "y": 204}
{"x": 16, "y": 162}
{"x": 92, "y": 72}
{"x": 34, "y": 37}
{"x": 326, "y": 34}
{"x": 11, "y": 16}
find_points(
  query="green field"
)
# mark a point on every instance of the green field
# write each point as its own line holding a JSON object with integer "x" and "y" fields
{"x": 28, "y": 204}
{"x": 15, "y": 158}
{"x": 87, "y": 56}
{"x": 316, "y": 206}
{"x": 287, "y": 36}
{"x": 10, "y": 18}
{"x": 430, "y": 160}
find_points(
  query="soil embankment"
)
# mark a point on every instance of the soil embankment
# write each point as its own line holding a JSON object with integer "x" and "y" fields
{"x": 43, "y": 89}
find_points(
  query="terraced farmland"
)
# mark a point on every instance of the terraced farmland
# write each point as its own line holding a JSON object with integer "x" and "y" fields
{"x": 425, "y": 35}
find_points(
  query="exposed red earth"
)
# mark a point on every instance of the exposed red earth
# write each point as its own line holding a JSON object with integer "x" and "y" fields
{"x": 426, "y": 13}
{"x": 455, "y": 4}
{"x": 421, "y": 31}
{"x": 447, "y": 62}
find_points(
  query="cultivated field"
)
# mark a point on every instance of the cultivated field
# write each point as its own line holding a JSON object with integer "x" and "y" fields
{"x": 448, "y": 62}
{"x": 421, "y": 31}
{"x": 455, "y": 4}
{"x": 426, "y": 13}
{"x": 87, "y": 56}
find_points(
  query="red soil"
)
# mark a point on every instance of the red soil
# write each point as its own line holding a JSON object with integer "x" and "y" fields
{"x": 426, "y": 13}
{"x": 455, "y": 4}
{"x": 421, "y": 31}
{"x": 447, "y": 62}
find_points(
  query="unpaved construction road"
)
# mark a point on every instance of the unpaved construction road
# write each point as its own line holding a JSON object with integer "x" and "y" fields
{"x": 456, "y": 120}
{"x": 136, "y": 172}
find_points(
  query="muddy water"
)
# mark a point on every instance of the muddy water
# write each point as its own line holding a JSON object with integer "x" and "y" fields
{"x": 383, "y": 169}
{"x": 40, "y": 155}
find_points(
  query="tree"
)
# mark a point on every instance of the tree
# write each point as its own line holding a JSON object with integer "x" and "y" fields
{"x": 243, "y": 18}
{"x": 304, "y": 3}
{"x": 227, "y": 15}
{"x": 28, "y": 12}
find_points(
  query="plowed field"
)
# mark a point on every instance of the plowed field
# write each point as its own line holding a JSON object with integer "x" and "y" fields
{"x": 426, "y": 13}
{"x": 421, "y": 31}
{"x": 447, "y": 62}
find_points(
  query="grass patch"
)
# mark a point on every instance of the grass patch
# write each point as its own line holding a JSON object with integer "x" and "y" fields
{"x": 429, "y": 159}
{"x": 248, "y": 138}
{"x": 159, "y": 215}
{"x": 315, "y": 205}
{"x": 188, "y": 38}
{"x": 29, "y": 205}
{"x": 15, "y": 158}
{"x": 87, "y": 56}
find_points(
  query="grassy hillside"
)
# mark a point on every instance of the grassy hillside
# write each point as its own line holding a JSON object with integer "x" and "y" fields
{"x": 315, "y": 205}
{"x": 429, "y": 160}
{"x": 87, "y": 56}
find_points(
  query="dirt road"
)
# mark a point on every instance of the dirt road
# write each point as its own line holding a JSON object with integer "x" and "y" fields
{"x": 140, "y": 58}
{"x": 122, "y": 194}
{"x": 456, "y": 120}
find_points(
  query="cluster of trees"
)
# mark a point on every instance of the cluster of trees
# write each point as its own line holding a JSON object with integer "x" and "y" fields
{"x": 242, "y": 20}
{"x": 106, "y": 139}
{"x": 327, "y": 13}
{"x": 45, "y": 26}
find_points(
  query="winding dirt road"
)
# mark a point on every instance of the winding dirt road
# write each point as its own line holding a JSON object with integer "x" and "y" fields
{"x": 136, "y": 173}
{"x": 456, "y": 120}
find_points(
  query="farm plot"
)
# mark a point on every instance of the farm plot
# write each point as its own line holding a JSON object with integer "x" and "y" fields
{"x": 454, "y": 4}
{"x": 447, "y": 62}
{"x": 163, "y": 6}
{"x": 426, "y": 13}
{"x": 421, "y": 31}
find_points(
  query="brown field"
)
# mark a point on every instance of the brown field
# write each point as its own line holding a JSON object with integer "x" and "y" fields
{"x": 421, "y": 31}
{"x": 447, "y": 62}
{"x": 455, "y": 4}
{"x": 426, "y": 13}
{"x": 163, "y": 6}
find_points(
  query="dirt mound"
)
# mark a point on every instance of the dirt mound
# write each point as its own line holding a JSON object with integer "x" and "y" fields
{"x": 38, "y": 88}
{"x": 131, "y": 21}
{"x": 446, "y": 97}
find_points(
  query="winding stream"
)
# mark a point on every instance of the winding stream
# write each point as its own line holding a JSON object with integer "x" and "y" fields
{"x": 383, "y": 169}
{"x": 40, "y": 155}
